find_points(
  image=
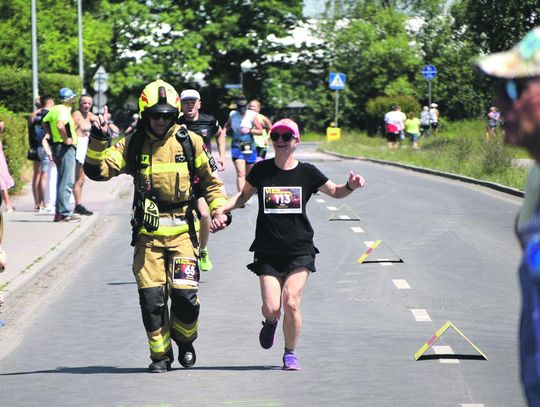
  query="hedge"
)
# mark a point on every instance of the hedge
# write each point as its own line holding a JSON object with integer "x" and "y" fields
{"x": 15, "y": 142}
{"x": 16, "y": 87}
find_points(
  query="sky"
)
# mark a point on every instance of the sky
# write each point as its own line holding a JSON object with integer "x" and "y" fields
{"x": 313, "y": 7}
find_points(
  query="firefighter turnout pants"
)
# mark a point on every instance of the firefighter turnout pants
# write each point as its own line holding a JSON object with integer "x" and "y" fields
{"x": 164, "y": 273}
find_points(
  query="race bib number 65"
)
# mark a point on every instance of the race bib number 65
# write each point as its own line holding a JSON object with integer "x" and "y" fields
{"x": 282, "y": 200}
{"x": 185, "y": 271}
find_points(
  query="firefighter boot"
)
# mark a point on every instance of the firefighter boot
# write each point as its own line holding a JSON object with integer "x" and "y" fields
{"x": 186, "y": 355}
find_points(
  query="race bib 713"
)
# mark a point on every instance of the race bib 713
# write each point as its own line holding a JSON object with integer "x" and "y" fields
{"x": 282, "y": 200}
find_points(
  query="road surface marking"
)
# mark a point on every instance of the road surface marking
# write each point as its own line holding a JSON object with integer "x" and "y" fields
{"x": 357, "y": 229}
{"x": 420, "y": 314}
{"x": 320, "y": 200}
{"x": 444, "y": 350}
{"x": 331, "y": 208}
{"x": 401, "y": 284}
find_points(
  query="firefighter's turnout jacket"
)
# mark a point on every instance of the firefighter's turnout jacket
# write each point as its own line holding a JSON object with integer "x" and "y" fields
{"x": 166, "y": 169}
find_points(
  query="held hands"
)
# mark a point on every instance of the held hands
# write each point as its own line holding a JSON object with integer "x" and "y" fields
{"x": 220, "y": 164}
{"x": 219, "y": 221}
{"x": 355, "y": 181}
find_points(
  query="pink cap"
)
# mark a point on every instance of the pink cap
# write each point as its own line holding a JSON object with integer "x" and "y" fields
{"x": 287, "y": 124}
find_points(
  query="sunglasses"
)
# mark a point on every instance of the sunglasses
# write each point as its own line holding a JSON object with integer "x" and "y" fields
{"x": 164, "y": 116}
{"x": 286, "y": 137}
{"x": 514, "y": 89}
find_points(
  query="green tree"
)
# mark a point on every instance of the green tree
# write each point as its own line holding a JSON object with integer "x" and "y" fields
{"x": 496, "y": 25}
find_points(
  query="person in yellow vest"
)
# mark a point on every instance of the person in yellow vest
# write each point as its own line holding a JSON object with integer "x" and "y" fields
{"x": 166, "y": 161}
{"x": 61, "y": 128}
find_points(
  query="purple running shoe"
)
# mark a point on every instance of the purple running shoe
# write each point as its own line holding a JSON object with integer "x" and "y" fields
{"x": 290, "y": 362}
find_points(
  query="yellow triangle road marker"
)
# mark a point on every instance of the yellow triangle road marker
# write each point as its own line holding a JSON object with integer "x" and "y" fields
{"x": 438, "y": 334}
{"x": 373, "y": 246}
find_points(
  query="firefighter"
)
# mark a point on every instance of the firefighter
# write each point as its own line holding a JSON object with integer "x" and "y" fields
{"x": 165, "y": 161}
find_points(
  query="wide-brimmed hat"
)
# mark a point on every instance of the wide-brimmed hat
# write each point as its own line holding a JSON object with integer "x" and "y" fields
{"x": 522, "y": 61}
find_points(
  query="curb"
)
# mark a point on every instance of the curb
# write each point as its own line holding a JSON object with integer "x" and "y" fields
{"x": 462, "y": 178}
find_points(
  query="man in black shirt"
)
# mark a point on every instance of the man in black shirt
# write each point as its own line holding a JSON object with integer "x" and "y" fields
{"x": 206, "y": 126}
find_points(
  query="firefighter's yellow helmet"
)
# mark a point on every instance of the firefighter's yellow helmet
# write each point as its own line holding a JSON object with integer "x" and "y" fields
{"x": 159, "y": 97}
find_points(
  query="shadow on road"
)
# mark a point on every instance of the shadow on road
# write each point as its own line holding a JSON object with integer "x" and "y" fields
{"x": 126, "y": 370}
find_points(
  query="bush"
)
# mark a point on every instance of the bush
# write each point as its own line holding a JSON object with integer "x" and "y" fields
{"x": 376, "y": 109}
{"x": 496, "y": 158}
{"x": 16, "y": 87}
{"x": 15, "y": 142}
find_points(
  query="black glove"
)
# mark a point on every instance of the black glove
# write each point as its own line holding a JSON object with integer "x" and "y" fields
{"x": 99, "y": 134}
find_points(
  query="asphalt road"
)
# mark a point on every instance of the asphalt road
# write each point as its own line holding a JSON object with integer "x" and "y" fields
{"x": 450, "y": 256}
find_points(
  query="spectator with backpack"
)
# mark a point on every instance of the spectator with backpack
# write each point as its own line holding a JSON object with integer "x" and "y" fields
{"x": 32, "y": 154}
{"x": 44, "y": 153}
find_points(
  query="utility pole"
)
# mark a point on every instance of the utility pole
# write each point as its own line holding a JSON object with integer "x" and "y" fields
{"x": 35, "y": 90}
{"x": 81, "y": 65}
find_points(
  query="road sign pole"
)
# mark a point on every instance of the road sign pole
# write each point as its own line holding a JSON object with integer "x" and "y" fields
{"x": 336, "y": 108}
{"x": 429, "y": 104}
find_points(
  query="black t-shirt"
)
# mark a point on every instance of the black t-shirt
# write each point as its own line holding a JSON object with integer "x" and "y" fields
{"x": 206, "y": 126}
{"x": 282, "y": 224}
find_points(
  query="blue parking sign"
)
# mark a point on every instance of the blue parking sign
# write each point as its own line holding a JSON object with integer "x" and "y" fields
{"x": 336, "y": 81}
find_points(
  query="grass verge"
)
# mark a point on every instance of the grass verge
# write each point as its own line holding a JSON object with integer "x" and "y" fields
{"x": 458, "y": 148}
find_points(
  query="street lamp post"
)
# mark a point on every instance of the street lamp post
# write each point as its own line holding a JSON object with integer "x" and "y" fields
{"x": 35, "y": 91}
{"x": 81, "y": 65}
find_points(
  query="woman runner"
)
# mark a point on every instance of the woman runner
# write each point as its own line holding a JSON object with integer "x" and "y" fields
{"x": 284, "y": 251}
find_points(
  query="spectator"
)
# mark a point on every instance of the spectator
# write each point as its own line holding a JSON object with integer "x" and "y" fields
{"x": 493, "y": 120}
{"x": 519, "y": 99}
{"x": 434, "y": 117}
{"x": 6, "y": 181}
{"x": 44, "y": 153}
{"x": 32, "y": 154}
{"x": 425, "y": 122}
{"x": 393, "y": 125}
{"x": 412, "y": 127}
{"x": 60, "y": 125}
{"x": 83, "y": 118}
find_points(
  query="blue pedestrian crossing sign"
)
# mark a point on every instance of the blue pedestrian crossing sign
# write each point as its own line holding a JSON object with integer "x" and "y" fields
{"x": 336, "y": 81}
{"x": 429, "y": 72}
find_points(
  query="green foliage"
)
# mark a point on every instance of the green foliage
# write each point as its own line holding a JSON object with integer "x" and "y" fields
{"x": 485, "y": 25}
{"x": 15, "y": 143}
{"x": 16, "y": 87}
{"x": 377, "y": 107}
{"x": 460, "y": 149}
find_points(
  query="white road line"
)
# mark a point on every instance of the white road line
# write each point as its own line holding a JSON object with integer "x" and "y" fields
{"x": 472, "y": 405}
{"x": 420, "y": 314}
{"x": 331, "y": 208}
{"x": 368, "y": 243}
{"x": 385, "y": 262}
{"x": 444, "y": 350}
{"x": 357, "y": 229}
{"x": 320, "y": 200}
{"x": 401, "y": 284}
{"x": 344, "y": 217}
